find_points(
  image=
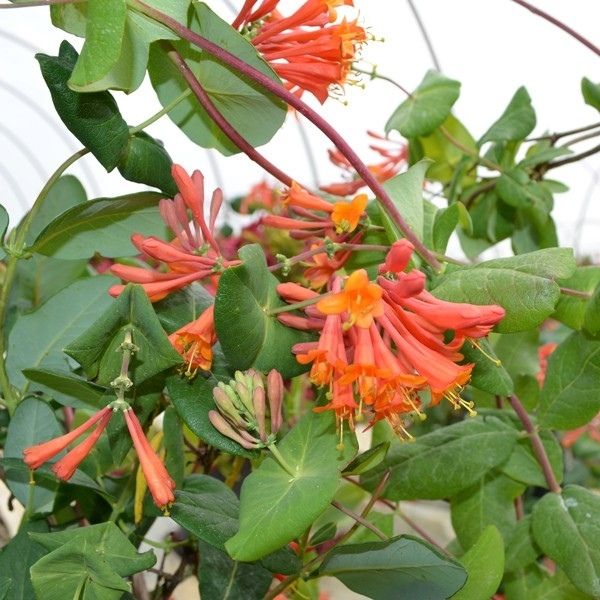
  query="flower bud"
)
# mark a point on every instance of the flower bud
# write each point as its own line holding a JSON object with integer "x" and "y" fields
{"x": 259, "y": 404}
{"x": 275, "y": 392}
{"x": 222, "y": 426}
{"x": 226, "y": 406}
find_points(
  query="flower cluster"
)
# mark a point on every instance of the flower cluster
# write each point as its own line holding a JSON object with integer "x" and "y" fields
{"x": 382, "y": 344}
{"x": 160, "y": 484}
{"x": 311, "y": 50}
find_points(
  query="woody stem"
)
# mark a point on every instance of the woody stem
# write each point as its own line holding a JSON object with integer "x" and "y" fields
{"x": 536, "y": 443}
{"x": 280, "y": 91}
{"x": 361, "y": 520}
{"x": 223, "y": 124}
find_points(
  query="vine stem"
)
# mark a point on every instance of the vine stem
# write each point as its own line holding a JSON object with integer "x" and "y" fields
{"x": 298, "y": 305}
{"x": 317, "y": 560}
{"x": 362, "y": 521}
{"x": 10, "y": 400}
{"x": 576, "y": 293}
{"x": 223, "y": 124}
{"x": 536, "y": 443}
{"x": 559, "y": 24}
{"x": 280, "y": 91}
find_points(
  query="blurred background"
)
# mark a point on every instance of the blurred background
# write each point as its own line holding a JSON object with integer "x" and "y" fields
{"x": 492, "y": 47}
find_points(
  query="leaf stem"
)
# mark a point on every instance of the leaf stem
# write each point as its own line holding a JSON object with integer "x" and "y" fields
{"x": 297, "y": 305}
{"x": 282, "y": 462}
{"x": 536, "y": 443}
{"x": 224, "y": 125}
{"x": 554, "y": 137}
{"x": 559, "y": 24}
{"x": 575, "y": 293}
{"x": 426, "y": 38}
{"x": 161, "y": 113}
{"x": 17, "y": 247}
{"x": 360, "y": 520}
{"x": 280, "y": 91}
{"x": 573, "y": 158}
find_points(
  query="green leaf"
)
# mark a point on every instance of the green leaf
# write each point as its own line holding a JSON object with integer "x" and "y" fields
{"x": 518, "y": 352}
{"x": 4, "y": 220}
{"x": 254, "y": 113}
{"x": 97, "y": 348}
{"x": 32, "y": 422}
{"x": 368, "y": 459}
{"x": 93, "y": 118}
{"x": 17, "y": 557}
{"x": 516, "y": 122}
{"x": 249, "y": 335}
{"x": 565, "y": 526}
{"x": 406, "y": 190}
{"x": 557, "y": 587}
{"x": 145, "y": 160}
{"x": 523, "y": 466}
{"x": 445, "y": 223}
{"x": 88, "y": 562}
{"x": 173, "y": 443}
{"x": 402, "y": 567}
{"x": 488, "y": 502}
{"x": 591, "y": 92}
{"x": 276, "y": 507}
{"x": 485, "y": 566}
{"x": 52, "y": 326}
{"x": 224, "y": 579}
{"x": 523, "y": 285}
{"x": 183, "y": 307}
{"x": 521, "y": 550}
{"x": 442, "y": 463}
{"x": 427, "y": 108}
{"x": 487, "y": 375}
{"x": 193, "y": 400}
{"x": 207, "y": 508}
{"x": 102, "y": 226}
{"x": 66, "y": 193}
{"x": 74, "y": 391}
{"x": 103, "y": 38}
{"x": 591, "y": 318}
{"x": 570, "y": 396}
{"x": 105, "y": 540}
{"x": 571, "y": 310}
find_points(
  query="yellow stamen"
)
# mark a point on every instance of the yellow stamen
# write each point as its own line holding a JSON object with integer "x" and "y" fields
{"x": 496, "y": 361}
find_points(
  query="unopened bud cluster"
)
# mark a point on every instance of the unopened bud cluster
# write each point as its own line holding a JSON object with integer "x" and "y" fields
{"x": 249, "y": 409}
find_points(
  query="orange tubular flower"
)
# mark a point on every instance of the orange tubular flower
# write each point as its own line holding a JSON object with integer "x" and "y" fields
{"x": 195, "y": 341}
{"x": 260, "y": 196}
{"x": 192, "y": 256}
{"x": 321, "y": 269}
{"x": 360, "y": 298}
{"x": 35, "y": 456}
{"x": 346, "y": 215}
{"x": 160, "y": 484}
{"x": 308, "y": 50}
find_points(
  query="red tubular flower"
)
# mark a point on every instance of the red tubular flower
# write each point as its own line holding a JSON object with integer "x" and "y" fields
{"x": 544, "y": 352}
{"x": 195, "y": 341}
{"x": 160, "y": 484}
{"x": 193, "y": 255}
{"x": 306, "y": 49}
{"x": 35, "y": 456}
{"x": 67, "y": 465}
{"x": 260, "y": 196}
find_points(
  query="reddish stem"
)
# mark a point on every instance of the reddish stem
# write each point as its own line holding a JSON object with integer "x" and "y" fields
{"x": 280, "y": 91}
{"x": 224, "y": 125}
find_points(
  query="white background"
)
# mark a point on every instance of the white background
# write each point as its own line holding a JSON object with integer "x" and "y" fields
{"x": 492, "y": 47}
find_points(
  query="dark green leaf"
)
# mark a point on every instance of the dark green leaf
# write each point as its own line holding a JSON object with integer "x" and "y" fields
{"x": 102, "y": 226}
{"x": 489, "y": 502}
{"x": 173, "y": 443}
{"x": 442, "y": 463}
{"x": 591, "y": 92}
{"x": 207, "y": 508}
{"x": 103, "y": 39}
{"x": 571, "y": 310}
{"x": 224, "y": 579}
{"x": 485, "y": 566}
{"x": 249, "y": 335}
{"x": 570, "y": 396}
{"x": 516, "y": 122}
{"x": 368, "y": 459}
{"x": 591, "y": 318}
{"x": 445, "y": 223}
{"x": 427, "y": 108}
{"x": 17, "y": 557}
{"x": 327, "y": 532}
{"x": 565, "y": 526}
{"x": 93, "y": 118}
{"x": 488, "y": 375}
{"x": 254, "y": 113}
{"x": 523, "y": 285}
{"x": 518, "y": 352}
{"x": 32, "y": 422}
{"x": 182, "y": 307}
{"x": 403, "y": 567}
{"x": 97, "y": 348}
{"x": 53, "y": 326}
{"x": 521, "y": 550}
{"x": 276, "y": 507}
{"x": 145, "y": 160}
{"x": 74, "y": 391}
